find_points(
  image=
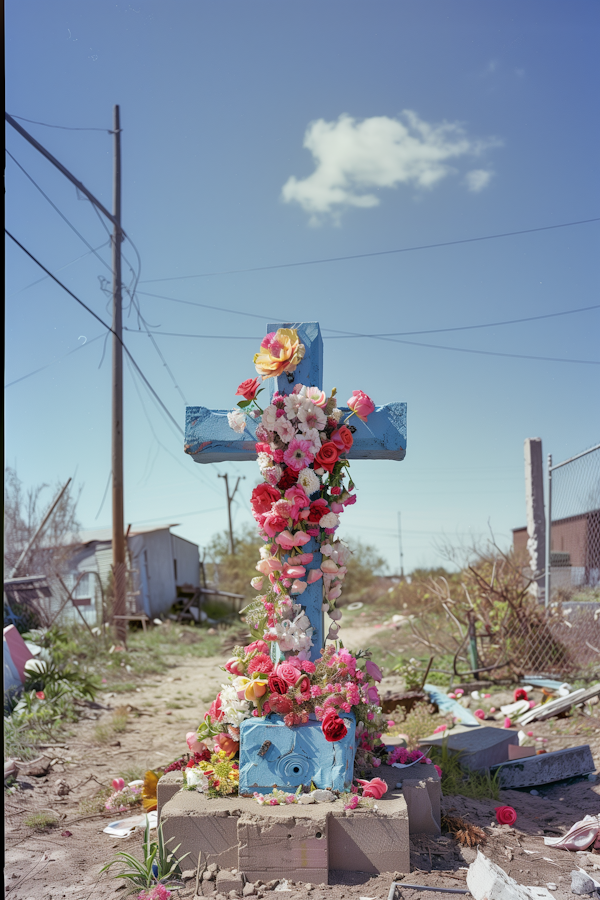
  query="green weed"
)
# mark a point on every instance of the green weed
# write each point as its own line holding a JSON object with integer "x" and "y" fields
{"x": 40, "y": 820}
{"x": 455, "y": 780}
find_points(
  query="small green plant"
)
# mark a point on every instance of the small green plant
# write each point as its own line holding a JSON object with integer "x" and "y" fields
{"x": 104, "y": 731}
{"x": 159, "y": 866}
{"x": 40, "y": 820}
{"x": 412, "y": 673}
{"x": 455, "y": 780}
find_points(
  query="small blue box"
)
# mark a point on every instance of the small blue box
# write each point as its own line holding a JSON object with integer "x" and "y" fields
{"x": 274, "y": 755}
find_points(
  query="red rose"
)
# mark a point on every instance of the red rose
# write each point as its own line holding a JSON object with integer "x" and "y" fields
{"x": 263, "y": 498}
{"x": 303, "y": 684}
{"x": 520, "y": 694}
{"x": 327, "y": 456}
{"x": 248, "y": 388}
{"x": 333, "y": 727}
{"x": 288, "y": 478}
{"x": 277, "y": 685}
{"x": 261, "y": 447}
{"x": 506, "y": 815}
{"x": 342, "y": 438}
{"x": 318, "y": 509}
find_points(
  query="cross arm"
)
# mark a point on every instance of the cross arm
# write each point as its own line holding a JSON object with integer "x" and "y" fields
{"x": 209, "y": 439}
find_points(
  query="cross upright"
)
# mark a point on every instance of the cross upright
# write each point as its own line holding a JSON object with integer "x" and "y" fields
{"x": 209, "y": 439}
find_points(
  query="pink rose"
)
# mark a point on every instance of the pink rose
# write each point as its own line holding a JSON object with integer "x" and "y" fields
{"x": 288, "y": 672}
{"x": 193, "y": 743}
{"x": 361, "y": 405}
{"x": 507, "y": 723}
{"x": 479, "y": 713}
{"x": 375, "y": 788}
{"x": 118, "y": 784}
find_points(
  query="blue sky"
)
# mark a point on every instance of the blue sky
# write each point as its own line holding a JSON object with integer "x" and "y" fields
{"x": 262, "y": 133}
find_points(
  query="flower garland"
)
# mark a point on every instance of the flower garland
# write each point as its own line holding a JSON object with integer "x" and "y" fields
{"x": 302, "y": 440}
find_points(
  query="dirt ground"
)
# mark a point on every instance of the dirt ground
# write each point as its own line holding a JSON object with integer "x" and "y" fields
{"x": 64, "y": 861}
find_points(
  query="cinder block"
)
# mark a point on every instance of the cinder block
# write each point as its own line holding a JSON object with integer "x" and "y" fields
{"x": 479, "y": 748}
{"x": 167, "y": 787}
{"x": 423, "y": 794}
{"x": 197, "y": 829}
{"x": 227, "y": 881}
{"x": 371, "y": 842}
{"x": 546, "y": 768}
{"x": 293, "y": 847}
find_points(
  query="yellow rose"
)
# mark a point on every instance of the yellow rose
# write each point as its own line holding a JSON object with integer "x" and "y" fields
{"x": 280, "y": 351}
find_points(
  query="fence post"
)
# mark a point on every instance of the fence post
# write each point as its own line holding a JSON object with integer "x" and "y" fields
{"x": 547, "y": 586}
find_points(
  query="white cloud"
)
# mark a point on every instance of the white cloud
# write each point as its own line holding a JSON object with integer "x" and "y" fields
{"x": 353, "y": 158}
{"x": 477, "y": 179}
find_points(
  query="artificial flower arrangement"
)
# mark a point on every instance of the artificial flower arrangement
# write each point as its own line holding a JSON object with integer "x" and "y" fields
{"x": 302, "y": 442}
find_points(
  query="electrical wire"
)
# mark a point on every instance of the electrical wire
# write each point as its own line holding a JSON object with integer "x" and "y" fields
{"x": 102, "y": 322}
{"x": 47, "y": 366}
{"x": 62, "y": 127}
{"x": 237, "y": 312}
{"x": 316, "y": 262}
{"x": 591, "y": 362}
{"x": 66, "y": 266}
{"x": 166, "y": 449}
{"x": 55, "y": 207}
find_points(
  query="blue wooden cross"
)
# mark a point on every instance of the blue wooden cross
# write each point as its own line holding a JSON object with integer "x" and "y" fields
{"x": 209, "y": 439}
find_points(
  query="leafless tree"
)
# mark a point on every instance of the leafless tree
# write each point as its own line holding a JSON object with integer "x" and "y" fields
{"x": 24, "y": 509}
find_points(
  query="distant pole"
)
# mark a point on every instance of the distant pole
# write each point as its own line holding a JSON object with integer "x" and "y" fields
{"x": 534, "y": 499}
{"x": 548, "y": 585}
{"x": 118, "y": 535}
{"x": 400, "y": 547}
{"x": 229, "y": 502}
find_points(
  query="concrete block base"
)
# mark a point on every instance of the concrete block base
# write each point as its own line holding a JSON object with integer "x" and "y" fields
{"x": 546, "y": 768}
{"x": 301, "y": 843}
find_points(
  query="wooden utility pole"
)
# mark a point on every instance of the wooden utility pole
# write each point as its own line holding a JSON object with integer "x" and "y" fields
{"x": 229, "y": 502}
{"x": 118, "y": 536}
{"x": 536, "y": 526}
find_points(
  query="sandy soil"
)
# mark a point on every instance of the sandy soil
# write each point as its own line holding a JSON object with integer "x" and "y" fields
{"x": 65, "y": 861}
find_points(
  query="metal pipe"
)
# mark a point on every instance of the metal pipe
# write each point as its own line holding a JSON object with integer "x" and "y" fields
{"x": 424, "y": 887}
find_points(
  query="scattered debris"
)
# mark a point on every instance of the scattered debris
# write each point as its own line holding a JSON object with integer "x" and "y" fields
{"x": 560, "y": 705}
{"x": 582, "y": 883}
{"x": 465, "y": 833}
{"x": 487, "y": 881}
{"x": 580, "y": 836}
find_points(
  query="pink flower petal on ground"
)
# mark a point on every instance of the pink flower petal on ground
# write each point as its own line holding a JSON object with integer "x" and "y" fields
{"x": 439, "y": 729}
{"x": 507, "y": 723}
{"x": 479, "y": 713}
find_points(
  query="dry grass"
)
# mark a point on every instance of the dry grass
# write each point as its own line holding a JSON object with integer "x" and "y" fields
{"x": 117, "y": 724}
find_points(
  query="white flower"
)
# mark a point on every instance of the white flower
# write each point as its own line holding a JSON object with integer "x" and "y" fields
{"x": 264, "y": 461}
{"x": 285, "y": 429}
{"x": 309, "y": 481}
{"x": 269, "y": 418}
{"x": 237, "y": 420}
{"x": 312, "y": 415}
{"x": 330, "y": 520}
{"x": 312, "y": 435}
{"x": 195, "y": 777}
{"x": 336, "y": 414}
{"x": 292, "y": 404}
{"x": 234, "y": 709}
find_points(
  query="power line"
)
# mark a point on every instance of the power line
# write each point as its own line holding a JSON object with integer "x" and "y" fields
{"x": 56, "y": 209}
{"x": 97, "y": 317}
{"x": 200, "y": 512}
{"x": 62, "y": 127}
{"x": 66, "y": 266}
{"x": 47, "y": 366}
{"x": 166, "y": 449}
{"x": 237, "y": 312}
{"x": 315, "y": 262}
{"x": 591, "y": 362}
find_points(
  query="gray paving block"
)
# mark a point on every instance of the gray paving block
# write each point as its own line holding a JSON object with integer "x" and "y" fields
{"x": 423, "y": 794}
{"x": 546, "y": 768}
{"x": 371, "y": 842}
{"x": 480, "y": 748}
{"x": 167, "y": 787}
{"x": 293, "y": 847}
{"x": 214, "y": 833}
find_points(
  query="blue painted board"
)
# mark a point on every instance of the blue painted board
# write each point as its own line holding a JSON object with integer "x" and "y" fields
{"x": 209, "y": 439}
{"x": 294, "y": 756}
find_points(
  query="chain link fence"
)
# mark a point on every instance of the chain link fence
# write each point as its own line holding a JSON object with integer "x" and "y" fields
{"x": 573, "y": 527}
